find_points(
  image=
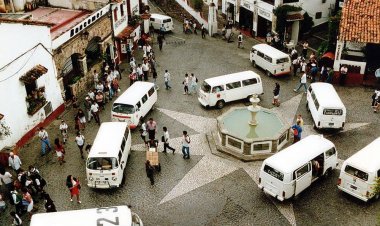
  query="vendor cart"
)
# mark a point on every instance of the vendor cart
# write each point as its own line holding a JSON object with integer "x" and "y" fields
{"x": 152, "y": 156}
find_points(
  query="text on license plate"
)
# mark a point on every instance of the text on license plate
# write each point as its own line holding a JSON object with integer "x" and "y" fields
{"x": 331, "y": 124}
{"x": 353, "y": 187}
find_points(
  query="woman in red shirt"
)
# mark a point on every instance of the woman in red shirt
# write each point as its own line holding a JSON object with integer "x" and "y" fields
{"x": 73, "y": 184}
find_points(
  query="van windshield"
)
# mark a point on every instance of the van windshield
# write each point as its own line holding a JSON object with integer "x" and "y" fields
{"x": 274, "y": 173}
{"x": 102, "y": 163}
{"x": 333, "y": 112}
{"x": 356, "y": 173}
{"x": 205, "y": 87}
{"x": 123, "y": 108}
{"x": 282, "y": 60}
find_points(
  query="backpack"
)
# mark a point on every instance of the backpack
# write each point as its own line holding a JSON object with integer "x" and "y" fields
{"x": 295, "y": 132}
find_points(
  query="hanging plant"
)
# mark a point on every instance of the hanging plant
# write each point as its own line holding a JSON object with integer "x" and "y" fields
{"x": 4, "y": 129}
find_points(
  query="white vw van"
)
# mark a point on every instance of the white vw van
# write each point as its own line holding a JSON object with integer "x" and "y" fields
{"x": 115, "y": 215}
{"x": 219, "y": 90}
{"x": 134, "y": 103}
{"x": 290, "y": 171}
{"x": 273, "y": 61}
{"x": 359, "y": 172}
{"x": 157, "y": 20}
{"x": 325, "y": 106}
{"x": 108, "y": 155}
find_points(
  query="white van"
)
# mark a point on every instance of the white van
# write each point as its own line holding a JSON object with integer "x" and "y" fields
{"x": 290, "y": 171}
{"x": 219, "y": 90}
{"x": 115, "y": 215}
{"x": 158, "y": 20}
{"x": 108, "y": 155}
{"x": 359, "y": 172}
{"x": 134, "y": 103}
{"x": 272, "y": 60}
{"x": 325, "y": 106}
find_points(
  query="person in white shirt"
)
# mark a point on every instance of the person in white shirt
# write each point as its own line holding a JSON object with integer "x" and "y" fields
{"x": 167, "y": 80}
{"x": 185, "y": 145}
{"x": 193, "y": 83}
{"x": 145, "y": 69}
{"x": 240, "y": 40}
{"x": 6, "y": 178}
{"x": 140, "y": 73}
{"x": 14, "y": 162}
{"x": 95, "y": 111}
{"x": 63, "y": 129}
{"x": 132, "y": 63}
{"x": 91, "y": 94}
{"x": 99, "y": 87}
{"x": 186, "y": 84}
{"x": 302, "y": 83}
{"x": 79, "y": 140}
{"x": 44, "y": 137}
{"x": 165, "y": 138}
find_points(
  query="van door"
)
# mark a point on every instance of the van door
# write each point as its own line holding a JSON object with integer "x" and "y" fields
{"x": 217, "y": 93}
{"x": 303, "y": 178}
{"x": 136, "y": 117}
{"x": 145, "y": 108}
{"x": 234, "y": 92}
{"x": 330, "y": 159}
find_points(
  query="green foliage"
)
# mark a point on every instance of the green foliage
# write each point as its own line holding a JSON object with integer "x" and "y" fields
{"x": 75, "y": 79}
{"x": 281, "y": 12}
{"x": 333, "y": 30}
{"x": 198, "y": 5}
{"x": 376, "y": 189}
{"x": 323, "y": 48}
{"x": 306, "y": 24}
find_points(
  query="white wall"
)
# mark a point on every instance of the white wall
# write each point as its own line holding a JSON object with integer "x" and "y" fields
{"x": 314, "y": 6}
{"x": 192, "y": 12}
{"x": 122, "y": 21}
{"x": 78, "y": 4}
{"x": 12, "y": 91}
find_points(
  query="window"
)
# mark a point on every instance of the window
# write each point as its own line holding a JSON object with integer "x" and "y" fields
{"x": 318, "y": 15}
{"x": 217, "y": 89}
{"x": 138, "y": 105}
{"x": 30, "y": 88}
{"x": 333, "y": 112}
{"x": 282, "y": 138}
{"x": 282, "y": 60}
{"x": 122, "y": 146}
{"x": 167, "y": 21}
{"x": 144, "y": 98}
{"x": 233, "y": 85}
{"x": 72, "y": 33}
{"x": 356, "y": 173}
{"x": 206, "y": 87}
{"x": 261, "y": 147}
{"x": 93, "y": 18}
{"x": 274, "y": 173}
{"x": 310, "y": 89}
{"x": 151, "y": 19}
{"x": 120, "y": 155}
{"x": 123, "y": 108}
{"x": 315, "y": 101}
{"x": 121, "y": 10}
{"x": 260, "y": 54}
{"x": 301, "y": 171}
{"x": 330, "y": 152}
{"x": 248, "y": 82}
{"x": 89, "y": 21}
{"x": 151, "y": 91}
{"x": 85, "y": 24}
{"x": 115, "y": 14}
{"x": 102, "y": 163}
{"x": 76, "y": 30}
{"x": 267, "y": 58}
{"x": 80, "y": 27}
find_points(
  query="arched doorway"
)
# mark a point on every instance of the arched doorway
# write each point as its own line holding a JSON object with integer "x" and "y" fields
{"x": 70, "y": 73}
{"x": 93, "y": 53}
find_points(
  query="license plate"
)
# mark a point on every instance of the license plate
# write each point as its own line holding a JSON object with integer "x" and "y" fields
{"x": 331, "y": 124}
{"x": 353, "y": 187}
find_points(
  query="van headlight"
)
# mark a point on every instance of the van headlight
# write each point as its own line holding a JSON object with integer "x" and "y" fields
{"x": 91, "y": 178}
{"x": 114, "y": 178}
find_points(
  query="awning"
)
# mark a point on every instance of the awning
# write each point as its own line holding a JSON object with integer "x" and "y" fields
{"x": 329, "y": 55}
{"x": 33, "y": 74}
{"x": 126, "y": 33}
{"x": 294, "y": 17}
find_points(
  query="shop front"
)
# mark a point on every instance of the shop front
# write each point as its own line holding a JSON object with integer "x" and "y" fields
{"x": 126, "y": 41}
{"x": 246, "y": 16}
{"x": 264, "y": 20}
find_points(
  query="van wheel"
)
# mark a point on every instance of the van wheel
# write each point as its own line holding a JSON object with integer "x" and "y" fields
{"x": 220, "y": 104}
{"x": 327, "y": 173}
{"x": 268, "y": 73}
{"x": 254, "y": 63}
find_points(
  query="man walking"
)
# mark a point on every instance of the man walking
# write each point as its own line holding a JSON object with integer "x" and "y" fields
{"x": 14, "y": 162}
{"x": 343, "y": 75}
{"x": 203, "y": 31}
{"x": 151, "y": 126}
{"x": 87, "y": 108}
{"x": 140, "y": 73}
{"x": 145, "y": 69}
{"x": 185, "y": 145}
{"x": 302, "y": 83}
{"x": 79, "y": 140}
{"x": 63, "y": 129}
{"x": 44, "y": 137}
{"x": 240, "y": 40}
{"x": 160, "y": 40}
{"x": 95, "y": 112}
{"x": 167, "y": 79}
{"x": 165, "y": 139}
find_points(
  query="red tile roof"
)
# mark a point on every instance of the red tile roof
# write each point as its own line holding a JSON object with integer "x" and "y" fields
{"x": 294, "y": 17}
{"x": 360, "y": 21}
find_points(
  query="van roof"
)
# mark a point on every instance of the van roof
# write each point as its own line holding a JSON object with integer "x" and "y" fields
{"x": 327, "y": 95}
{"x": 107, "y": 141}
{"x": 270, "y": 51}
{"x": 134, "y": 93}
{"x": 296, "y": 155}
{"x": 368, "y": 158}
{"x": 159, "y": 16}
{"x": 223, "y": 79}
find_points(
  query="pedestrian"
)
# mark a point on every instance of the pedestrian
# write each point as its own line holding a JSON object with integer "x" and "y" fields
{"x": 302, "y": 83}
{"x": 99, "y": 98}
{"x": 37, "y": 181}
{"x": 74, "y": 186}
{"x": 143, "y": 131}
{"x": 343, "y": 75}
{"x": 27, "y": 201}
{"x": 82, "y": 119}
{"x": 99, "y": 87}
{"x": 185, "y": 145}
{"x": 324, "y": 74}
{"x": 79, "y": 140}
{"x": 60, "y": 151}
{"x": 300, "y": 120}
{"x": 49, "y": 204}
{"x": 145, "y": 68}
{"x": 375, "y": 96}
{"x": 140, "y": 73}
{"x": 132, "y": 63}
{"x": 151, "y": 126}
{"x": 17, "y": 201}
{"x": 63, "y": 129}
{"x": 186, "y": 84}
{"x": 193, "y": 83}
{"x": 293, "y": 54}
{"x": 95, "y": 112}
{"x": 160, "y": 40}
{"x": 276, "y": 95}
{"x": 91, "y": 94}
{"x": 165, "y": 138}
{"x": 154, "y": 76}
{"x": 313, "y": 71}
{"x": 16, "y": 219}
{"x": 44, "y": 137}
{"x": 203, "y": 31}
{"x": 6, "y": 178}
{"x": 296, "y": 65}
{"x": 195, "y": 28}
{"x": 132, "y": 77}
{"x": 305, "y": 45}
{"x": 149, "y": 172}
{"x": 240, "y": 40}
{"x": 87, "y": 109}
{"x": 330, "y": 75}
{"x": 96, "y": 78}
{"x": 115, "y": 86}
{"x": 14, "y": 162}
{"x": 297, "y": 130}
{"x": 167, "y": 80}
{"x": 377, "y": 105}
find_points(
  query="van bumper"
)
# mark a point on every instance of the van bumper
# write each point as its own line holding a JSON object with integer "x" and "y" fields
{"x": 271, "y": 193}
{"x": 282, "y": 73}
{"x": 132, "y": 126}
{"x": 101, "y": 186}
{"x": 365, "y": 199}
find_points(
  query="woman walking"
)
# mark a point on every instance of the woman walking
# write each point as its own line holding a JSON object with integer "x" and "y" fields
{"x": 73, "y": 185}
{"x": 82, "y": 119}
{"x": 60, "y": 151}
{"x": 276, "y": 95}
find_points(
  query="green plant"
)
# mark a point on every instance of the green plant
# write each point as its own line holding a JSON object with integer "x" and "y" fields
{"x": 323, "y": 48}
{"x": 75, "y": 79}
{"x": 306, "y": 24}
{"x": 4, "y": 129}
{"x": 198, "y": 5}
{"x": 281, "y": 13}
{"x": 376, "y": 189}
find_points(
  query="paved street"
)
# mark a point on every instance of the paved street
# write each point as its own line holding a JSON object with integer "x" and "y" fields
{"x": 208, "y": 189}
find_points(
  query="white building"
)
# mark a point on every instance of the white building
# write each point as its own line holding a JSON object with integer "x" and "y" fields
{"x": 30, "y": 95}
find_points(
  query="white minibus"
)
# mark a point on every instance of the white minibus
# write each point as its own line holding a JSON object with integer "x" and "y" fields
{"x": 134, "y": 103}
{"x": 325, "y": 106}
{"x": 219, "y": 90}
{"x": 115, "y": 215}
{"x": 273, "y": 61}
{"x": 108, "y": 156}
{"x": 158, "y": 20}
{"x": 290, "y": 171}
{"x": 359, "y": 172}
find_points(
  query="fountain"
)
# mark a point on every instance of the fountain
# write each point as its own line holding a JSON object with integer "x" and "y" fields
{"x": 251, "y": 133}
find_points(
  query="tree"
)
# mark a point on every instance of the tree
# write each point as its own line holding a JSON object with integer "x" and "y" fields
{"x": 281, "y": 12}
{"x": 198, "y": 5}
{"x": 306, "y": 24}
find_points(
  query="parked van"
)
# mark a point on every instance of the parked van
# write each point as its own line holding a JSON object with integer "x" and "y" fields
{"x": 134, "y": 103}
{"x": 273, "y": 61}
{"x": 359, "y": 172}
{"x": 108, "y": 155}
{"x": 115, "y": 215}
{"x": 219, "y": 90}
{"x": 158, "y": 20}
{"x": 290, "y": 171}
{"x": 325, "y": 106}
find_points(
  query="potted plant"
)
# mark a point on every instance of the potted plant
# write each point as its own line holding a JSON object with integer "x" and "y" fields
{"x": 4, "y": 129}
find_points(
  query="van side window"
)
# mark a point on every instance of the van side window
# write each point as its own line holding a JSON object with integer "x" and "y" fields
{"x": 167, "y": 20}
{"x": 267, "y": 58}
{"x": 282, "y": 60}
{"x": 144, "y": 98}
{"x": 310, "y": 89}
{"x": 122, "y": 146}
{"x": 260, "y": 54}
{"x": 233, "y": 85}
{"x": 138, "y": 105}
{"x": 151, "y": 91}
{"x": 248, "y": 82}
{"x": 330, "y": 152}
{"x": 216, "y": 89}
{"x": 301, "y": 171}
{"x": 151, "y": 19}
{"x": 315, "y": 100}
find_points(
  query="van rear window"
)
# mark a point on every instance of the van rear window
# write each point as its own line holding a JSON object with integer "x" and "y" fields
{"x": 274, "y": 173}
{"x": 282, "y": 60}
{"x": 248, "y": 82}
{"x": 167, "y": 20}
{"x": 356, "y": 173}
{"x": 333, "y": 112}
{"x": 206, "y": 87}
{"x": 102, "y": 163}
{"x": 123, "y": 108}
